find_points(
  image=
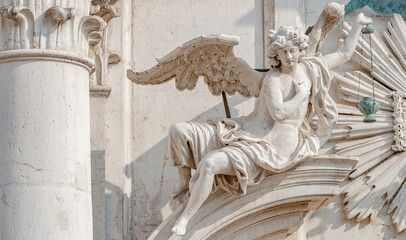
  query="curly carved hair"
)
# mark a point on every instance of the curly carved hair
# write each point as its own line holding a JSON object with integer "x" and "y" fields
{"x": 277, "y": 39}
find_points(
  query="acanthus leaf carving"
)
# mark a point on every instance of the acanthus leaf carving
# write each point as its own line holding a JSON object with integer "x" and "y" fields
{"x": 103, "y": 9}
{"x": 55, "y": 28}
{"x": 59, "y": 14}
{"x": 25, "y": 24}
{"x": 51, "y": 36}
{"x": 45, "y": 27}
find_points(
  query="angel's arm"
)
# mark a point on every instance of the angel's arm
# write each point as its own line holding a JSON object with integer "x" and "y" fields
{"x": 346, "y": 50}
{"x": 279, "y": 109}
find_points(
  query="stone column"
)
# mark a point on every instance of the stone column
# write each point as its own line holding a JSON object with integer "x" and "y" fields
{"x": 45, "y": 190}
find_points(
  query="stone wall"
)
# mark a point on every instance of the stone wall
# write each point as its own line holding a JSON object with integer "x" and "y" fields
{"x": 137, "y": 118}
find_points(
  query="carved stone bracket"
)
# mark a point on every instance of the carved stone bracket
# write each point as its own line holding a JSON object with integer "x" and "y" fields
{"x": 272, "y": 210}
{"x": 93, "y": 27}
{"x": 399, "y": 117}
{"x": 101, "y": 12}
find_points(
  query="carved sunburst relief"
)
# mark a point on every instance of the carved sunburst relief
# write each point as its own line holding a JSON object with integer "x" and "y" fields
{"x": 378, "y": 181}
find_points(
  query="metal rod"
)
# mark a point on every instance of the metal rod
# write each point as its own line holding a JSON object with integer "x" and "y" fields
{"x": 224, "y": 95}
{"x": 226, "y": 107}
{"x": 360, "y": 69}
{"x": 372, "y": 65}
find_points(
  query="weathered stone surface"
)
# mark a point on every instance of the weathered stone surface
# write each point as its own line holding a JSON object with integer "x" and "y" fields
{"x": 45, "y": 129}
{"x": 272, "y": 210}
{"x": 131, "y": 182}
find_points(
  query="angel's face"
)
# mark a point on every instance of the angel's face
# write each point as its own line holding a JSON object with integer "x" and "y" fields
{"x": 289, "y": 55}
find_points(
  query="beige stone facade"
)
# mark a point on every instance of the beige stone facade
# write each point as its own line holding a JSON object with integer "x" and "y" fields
{"x": 83, "y": 149}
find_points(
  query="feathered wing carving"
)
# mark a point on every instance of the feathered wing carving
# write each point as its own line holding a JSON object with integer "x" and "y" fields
{"x": 378, "y": 180}
{"x": 209, "y": 56}
{"x": 212, "y": 57}
{"x": 331, "y": 15}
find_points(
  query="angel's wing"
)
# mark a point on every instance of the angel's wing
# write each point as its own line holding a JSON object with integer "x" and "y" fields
{"x": 210, "y": 56}
{"x": 331, "y": 15}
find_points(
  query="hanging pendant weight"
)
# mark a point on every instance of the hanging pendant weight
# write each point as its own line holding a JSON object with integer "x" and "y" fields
{"x": 367, "y": 30}
{"x": 369, "y": 106}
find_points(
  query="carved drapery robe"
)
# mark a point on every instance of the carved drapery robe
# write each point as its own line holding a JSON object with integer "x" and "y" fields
{"x": 250, "y": 154}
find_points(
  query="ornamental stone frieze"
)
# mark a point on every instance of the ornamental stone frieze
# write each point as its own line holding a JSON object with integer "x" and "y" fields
{"x": 399, "y": 120}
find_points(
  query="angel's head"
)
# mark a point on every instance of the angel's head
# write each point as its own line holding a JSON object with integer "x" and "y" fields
{"x": 287, "y": 46}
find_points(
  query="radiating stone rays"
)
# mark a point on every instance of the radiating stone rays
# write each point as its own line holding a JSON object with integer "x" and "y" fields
{"x": 379, "y": 177}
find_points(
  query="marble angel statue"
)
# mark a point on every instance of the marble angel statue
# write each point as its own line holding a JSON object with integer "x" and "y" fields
{"x": 235, "y": 153}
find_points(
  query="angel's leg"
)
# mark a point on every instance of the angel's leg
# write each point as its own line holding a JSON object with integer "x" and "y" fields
{"x": 213, "y": 163}
{"x": 183, "y": 181}
{"x": 185, "y": 139}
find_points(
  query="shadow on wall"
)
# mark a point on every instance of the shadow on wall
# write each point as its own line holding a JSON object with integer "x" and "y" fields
{"x": 146, "y": 212}
{"x": 112, "y": 193}
{"x": 255, "y": 18}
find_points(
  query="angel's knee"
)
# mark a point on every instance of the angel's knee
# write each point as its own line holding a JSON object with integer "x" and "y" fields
{"x": 179, "y": 130}
{"x": 217, "y": 163}
{"x": 208, "y": 166}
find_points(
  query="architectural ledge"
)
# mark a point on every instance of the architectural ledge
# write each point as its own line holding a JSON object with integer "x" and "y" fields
{"x": 47, "y": 55}
{"x": 100, "y": 90}
{"x": 273, "y": 209}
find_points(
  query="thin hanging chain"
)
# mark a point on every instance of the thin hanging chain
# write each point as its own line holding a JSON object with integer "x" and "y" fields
{"x": 372, "y": 66}
{"x": 360, "y": 68}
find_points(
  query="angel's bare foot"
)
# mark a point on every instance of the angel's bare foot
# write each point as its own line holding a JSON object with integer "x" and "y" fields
{"x": 181, "y": 186}
{"x": 179, "y": 200}
{"x": 180, "y": 227}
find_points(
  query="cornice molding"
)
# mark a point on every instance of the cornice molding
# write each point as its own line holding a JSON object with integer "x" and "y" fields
{"x": 46, "y": 55}
{"x": 272, "y": 210}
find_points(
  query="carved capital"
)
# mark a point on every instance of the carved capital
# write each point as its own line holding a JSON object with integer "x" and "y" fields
{"x": 67, "y": 27}
{"x": 50, "y": 27}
